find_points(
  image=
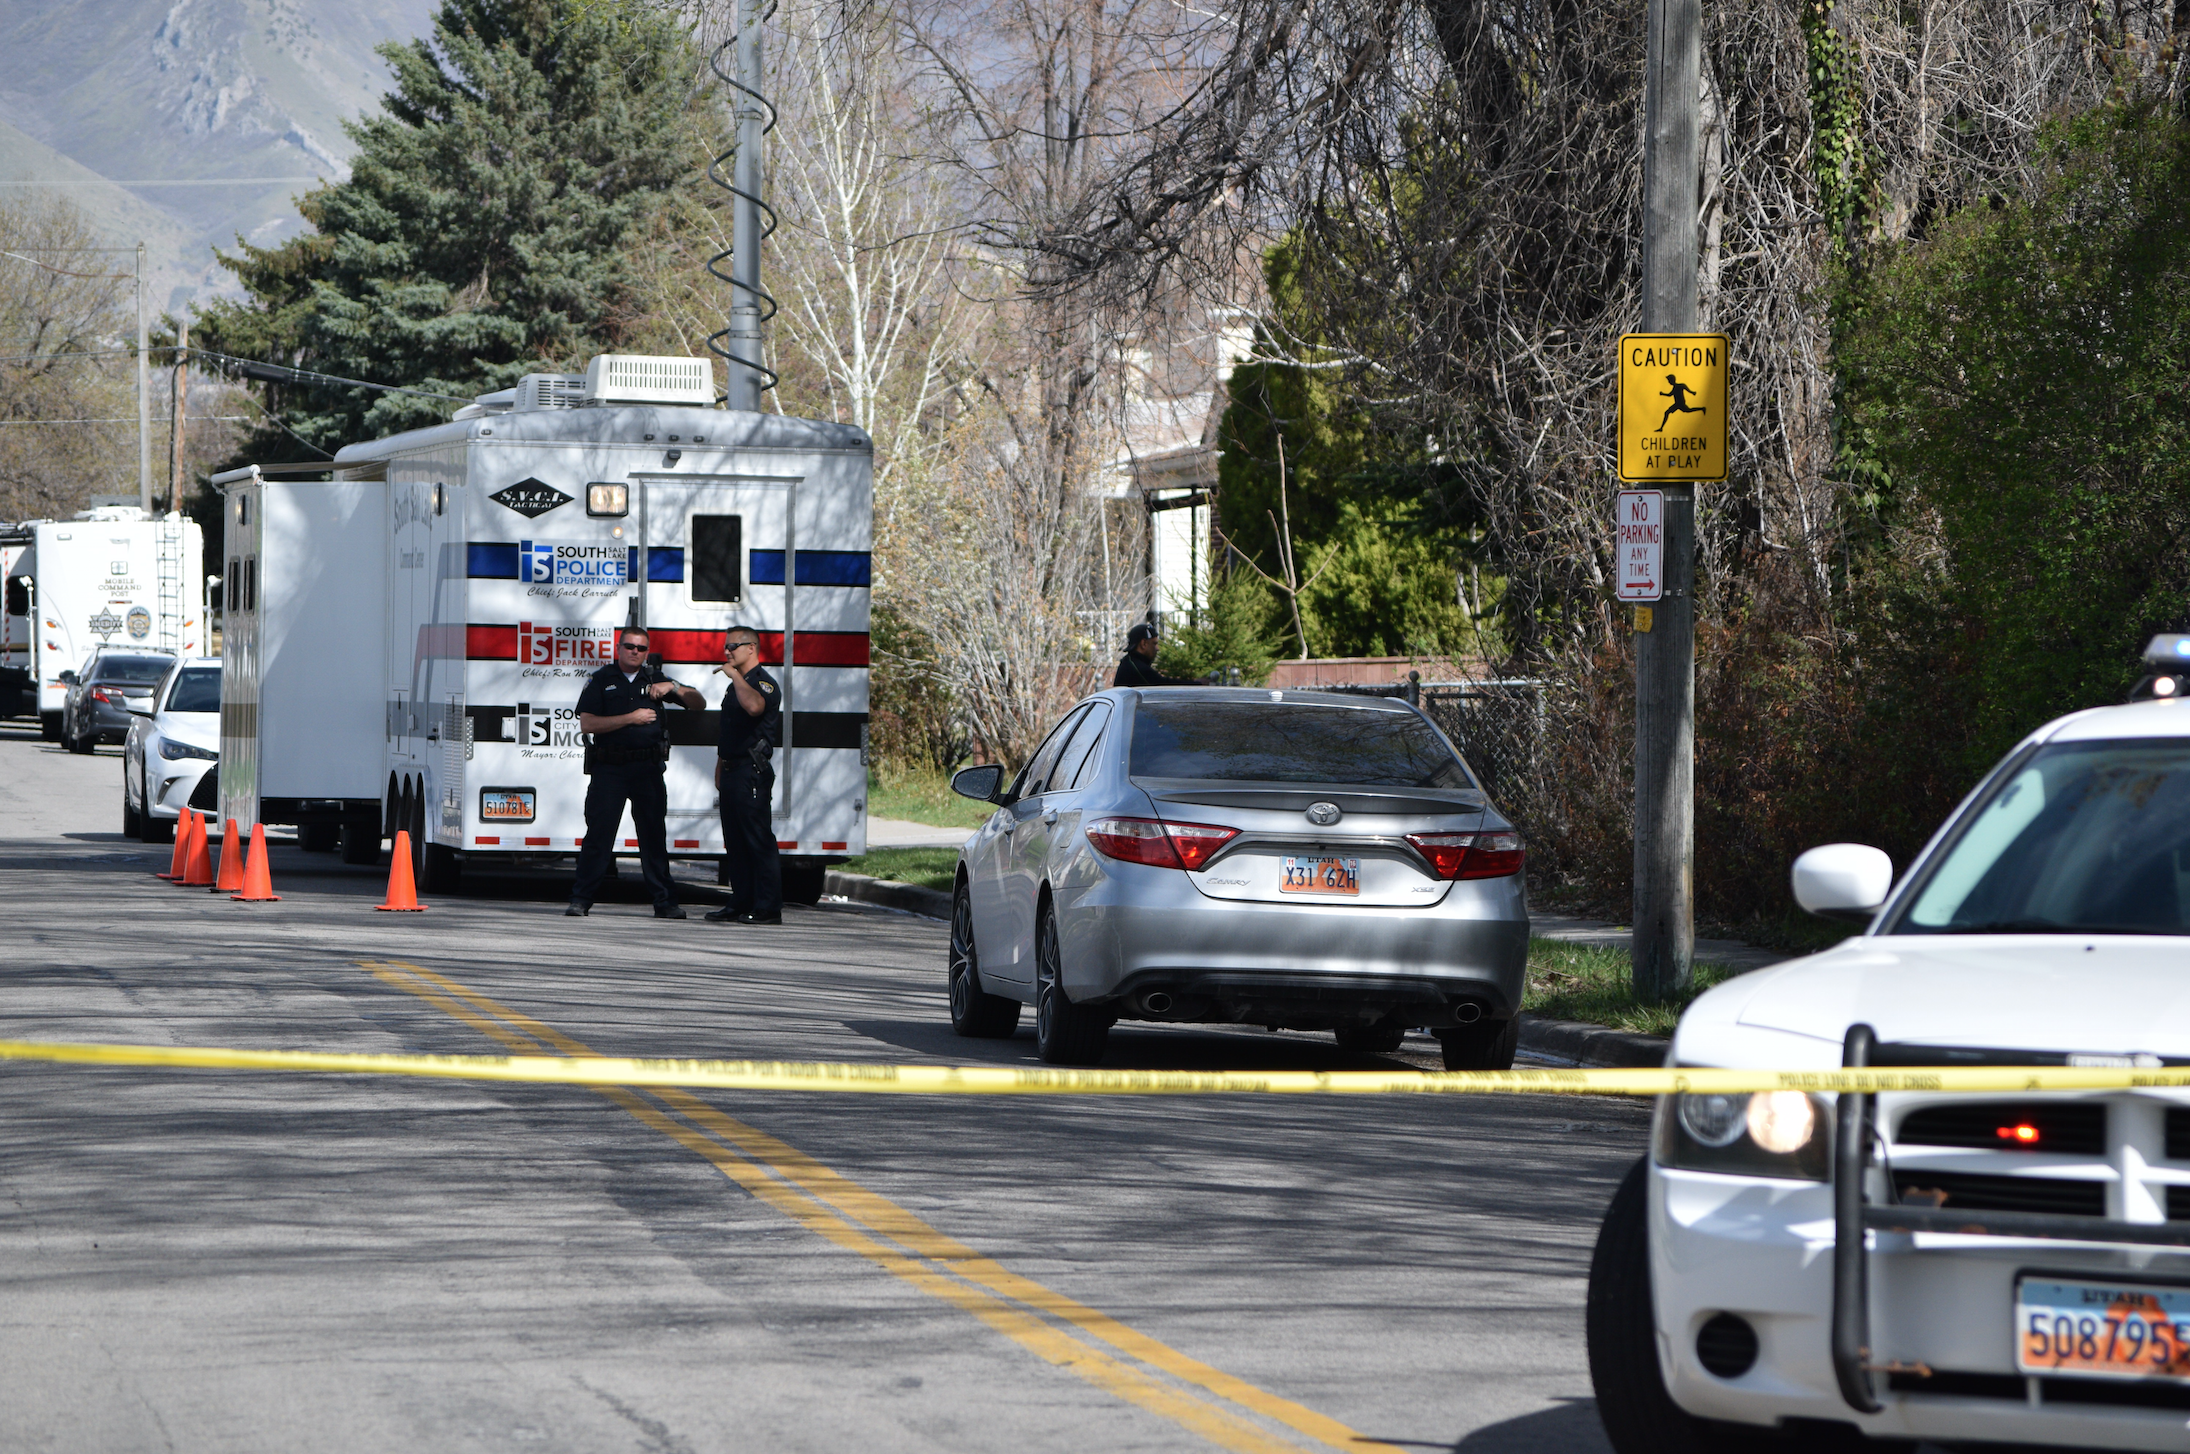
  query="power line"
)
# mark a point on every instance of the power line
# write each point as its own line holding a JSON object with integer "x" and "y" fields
{"x": 194, "y": 419}
{"x": 164, "y": 182}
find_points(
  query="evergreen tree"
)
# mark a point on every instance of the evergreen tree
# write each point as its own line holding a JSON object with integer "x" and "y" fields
{"x": 484, "y": 229}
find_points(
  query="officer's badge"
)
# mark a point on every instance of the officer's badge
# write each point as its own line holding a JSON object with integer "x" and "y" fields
{"x": 767, "y": 686}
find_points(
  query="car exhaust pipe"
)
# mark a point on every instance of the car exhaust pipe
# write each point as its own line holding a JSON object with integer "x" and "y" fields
{"x": 1467, "y": 1012}
{"x": 1156, "y": 1002}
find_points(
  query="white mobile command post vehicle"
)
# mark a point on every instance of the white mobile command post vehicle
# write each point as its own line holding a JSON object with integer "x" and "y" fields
{"x": 405, "y": 642}
{"x": 1981, "y": 1268}
{"x": 111, "y": 577}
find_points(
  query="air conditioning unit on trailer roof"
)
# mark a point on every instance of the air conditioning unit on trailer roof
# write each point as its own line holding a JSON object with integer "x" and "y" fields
{"x": 635, "y": 378}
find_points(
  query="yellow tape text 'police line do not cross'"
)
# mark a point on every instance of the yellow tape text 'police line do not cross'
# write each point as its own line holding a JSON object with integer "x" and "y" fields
{"x": 757, "y": 1075}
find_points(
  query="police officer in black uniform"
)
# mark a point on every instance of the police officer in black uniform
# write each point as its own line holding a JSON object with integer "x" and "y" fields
{"x": 1137, "y": 668}
{"x": 745, "y": 775}
{"x": 629, "y": 754}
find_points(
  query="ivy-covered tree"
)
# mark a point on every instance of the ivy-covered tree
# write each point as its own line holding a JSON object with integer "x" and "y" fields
{"x": 485, "y": 228}
{"x": 2025, "y": 379}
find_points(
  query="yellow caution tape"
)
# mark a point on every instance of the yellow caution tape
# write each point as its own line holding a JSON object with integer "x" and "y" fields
{"x": 1006, "y": 1080}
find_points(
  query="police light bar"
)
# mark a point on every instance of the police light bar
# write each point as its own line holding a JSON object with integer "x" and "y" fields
{"x": 2168, "y": 651}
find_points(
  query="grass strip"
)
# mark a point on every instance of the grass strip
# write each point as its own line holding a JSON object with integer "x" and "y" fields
{"x": 922, "y": 796}
{"x": 1593, "y": 983}
{"x": 929, "y": 868}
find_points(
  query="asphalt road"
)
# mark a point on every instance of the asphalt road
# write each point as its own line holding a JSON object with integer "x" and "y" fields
{"x": 200, "y": 1260}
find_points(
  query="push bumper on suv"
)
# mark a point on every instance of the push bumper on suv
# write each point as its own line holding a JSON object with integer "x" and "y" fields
{"x": 1938, "y": 1335}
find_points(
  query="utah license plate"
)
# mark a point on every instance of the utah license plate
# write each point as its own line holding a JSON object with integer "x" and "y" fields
{"x": 2102, "y": 1329}
{"x": 1302, "y": 875}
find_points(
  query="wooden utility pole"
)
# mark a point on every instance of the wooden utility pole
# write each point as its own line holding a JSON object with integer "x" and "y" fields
{"x": 178, "y": 408}
{"x": 1665, "y": 655}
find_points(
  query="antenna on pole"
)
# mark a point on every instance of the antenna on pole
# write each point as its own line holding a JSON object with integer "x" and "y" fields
{"x": 752, "y": 220}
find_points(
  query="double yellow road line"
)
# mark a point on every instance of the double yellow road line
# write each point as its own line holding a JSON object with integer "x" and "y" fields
{"x": 1226, "y": 1411}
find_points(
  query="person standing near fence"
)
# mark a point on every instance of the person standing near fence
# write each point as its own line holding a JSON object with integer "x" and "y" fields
{"x": 745, "y": 779}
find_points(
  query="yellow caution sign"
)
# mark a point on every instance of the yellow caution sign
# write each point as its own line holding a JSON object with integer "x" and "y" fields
{"x": 991, "y": 1080}
{"x": 1673, "y": 406}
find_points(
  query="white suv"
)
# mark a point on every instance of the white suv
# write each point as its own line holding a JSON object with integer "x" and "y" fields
{"x": 2009, "y": 1269}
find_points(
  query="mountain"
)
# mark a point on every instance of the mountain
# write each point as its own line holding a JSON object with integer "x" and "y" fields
{"x": 185, "y": 123}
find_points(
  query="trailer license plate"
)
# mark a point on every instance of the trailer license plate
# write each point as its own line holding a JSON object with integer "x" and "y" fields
{"x": 505, "y": 805}
{"x": 1340, "y": 876}
{"x": 2102, "y": 1329}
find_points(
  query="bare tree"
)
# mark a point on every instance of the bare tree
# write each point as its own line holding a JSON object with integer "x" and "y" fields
{"x": 67, "y": 404}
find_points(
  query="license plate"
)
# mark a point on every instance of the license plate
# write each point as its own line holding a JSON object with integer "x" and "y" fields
{"x": 1339, "y": 876}
{"x": 2102, "y": 1329}
{"x": 506, "y": 805}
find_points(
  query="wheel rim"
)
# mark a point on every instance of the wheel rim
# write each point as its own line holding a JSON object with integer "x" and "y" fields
{"x": 961, "y": 960}
{"x": 1045, "y": 979}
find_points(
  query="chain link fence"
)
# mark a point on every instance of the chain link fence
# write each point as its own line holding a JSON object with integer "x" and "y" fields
{"x": 1499, "y": 727}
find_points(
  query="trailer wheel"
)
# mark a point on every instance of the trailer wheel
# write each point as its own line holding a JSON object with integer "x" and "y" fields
{"x": 360, "y": 842}
{"x": 444, "y": 871}
{"x": 49, "y": 726}
{"x": 803, "y": 880}
{"x": 318, "y": 837}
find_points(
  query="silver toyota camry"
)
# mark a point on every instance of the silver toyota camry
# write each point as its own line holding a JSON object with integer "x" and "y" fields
{"x": 1233, "y": 855}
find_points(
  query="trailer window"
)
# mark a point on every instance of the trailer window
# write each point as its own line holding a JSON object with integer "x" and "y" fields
{"x": 718, "y": 558}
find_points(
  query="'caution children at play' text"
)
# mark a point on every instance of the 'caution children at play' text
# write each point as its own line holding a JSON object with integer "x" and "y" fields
{"x": 1673, "y": 406}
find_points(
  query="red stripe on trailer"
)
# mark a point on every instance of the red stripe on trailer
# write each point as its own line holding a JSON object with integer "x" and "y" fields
{"x": 631, "y": 843}
{"x": 490, "y": 643}
{"x": 787, "y": 845}
{"x": 686, "y": 843}
{"x": 815, "y": 648}
{"x": 495, "y": 841}
{"x": 826, "y": 844}
{"x": 538, "y": 842}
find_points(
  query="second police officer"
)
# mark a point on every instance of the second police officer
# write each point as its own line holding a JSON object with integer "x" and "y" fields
{"x": 745, "y": 776}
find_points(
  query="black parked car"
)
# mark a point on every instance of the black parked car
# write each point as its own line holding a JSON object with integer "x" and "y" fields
{"x": 99, "y": 697}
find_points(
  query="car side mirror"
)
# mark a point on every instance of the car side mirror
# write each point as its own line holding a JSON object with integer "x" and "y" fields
{"x": 978, "y": 783}
{"x": 1843, "y": 881}
{"x": 67, "y": 679}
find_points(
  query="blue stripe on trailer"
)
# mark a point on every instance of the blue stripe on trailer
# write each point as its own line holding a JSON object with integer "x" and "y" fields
{"x": 492, "y": 562}
{"x": 815, "y": 568}
{"x": 665, "y": 562}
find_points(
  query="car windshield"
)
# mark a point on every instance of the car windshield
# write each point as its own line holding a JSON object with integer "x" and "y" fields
{"x": 1290, "y": 742}
{"x": 196, "y": 690}
{"x": 134, "y": 670}
{"x": 2084, "y": 838}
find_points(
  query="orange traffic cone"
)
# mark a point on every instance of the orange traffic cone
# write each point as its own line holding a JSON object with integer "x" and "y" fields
{"x": 258, "y": 881}
{"x": 402, "y": 893}
{"x": 198, "y": 864}
{"x": 181, "y": 855}
{"x": 230, "y": 878}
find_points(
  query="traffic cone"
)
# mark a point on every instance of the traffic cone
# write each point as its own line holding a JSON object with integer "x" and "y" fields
{"x": 181, "y": 855}
{"x": 230, "y": 878}
{"x": 198, "y": 865}
{"x": 258, "y": 882}
{"x": 402, "y": 893}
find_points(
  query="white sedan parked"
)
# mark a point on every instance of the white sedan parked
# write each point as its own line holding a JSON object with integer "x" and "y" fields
{"x": 170, "y": 748}
{"x": 1968, "y": 1269}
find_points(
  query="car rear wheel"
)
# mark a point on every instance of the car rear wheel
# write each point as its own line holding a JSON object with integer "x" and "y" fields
{"x": 975, "y": 1013}
{"x": 1484, "y": 1045}
{"x": 1064, "y": 1033}
{"x": 1371, "y": 1039}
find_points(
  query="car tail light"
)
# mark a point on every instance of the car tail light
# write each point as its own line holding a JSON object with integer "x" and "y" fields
{"x": 1161, "y": 845}
{"x": 1471, "y": 855}
{"x": 101, "y": 694}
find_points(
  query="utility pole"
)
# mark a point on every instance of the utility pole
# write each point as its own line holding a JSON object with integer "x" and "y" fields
{"x": 178, "y": 405}
{"x": 144, "y": 397}
{"x": 746, "y": 372}
{"x": 1665, "y": 655}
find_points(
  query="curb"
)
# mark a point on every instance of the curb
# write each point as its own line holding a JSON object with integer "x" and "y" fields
{"x": 930, "y": 903}
{"x": 1586, "y": 1044}
{"x": 1572, "y": 1040}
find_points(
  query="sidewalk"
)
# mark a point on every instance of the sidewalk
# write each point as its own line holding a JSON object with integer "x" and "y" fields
{"x": 902, "y": 833}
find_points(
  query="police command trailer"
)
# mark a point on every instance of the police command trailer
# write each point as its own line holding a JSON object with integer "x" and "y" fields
{"x": 112, "y": 577}
{"x": 406, "y": 641}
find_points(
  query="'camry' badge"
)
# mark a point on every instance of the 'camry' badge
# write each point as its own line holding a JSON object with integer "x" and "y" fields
{"x": 1323, "y": 815}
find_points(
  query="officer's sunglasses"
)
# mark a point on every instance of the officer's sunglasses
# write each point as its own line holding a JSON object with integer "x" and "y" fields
{"x": 638, "y": 646}
{"x": 732, "y": 648}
